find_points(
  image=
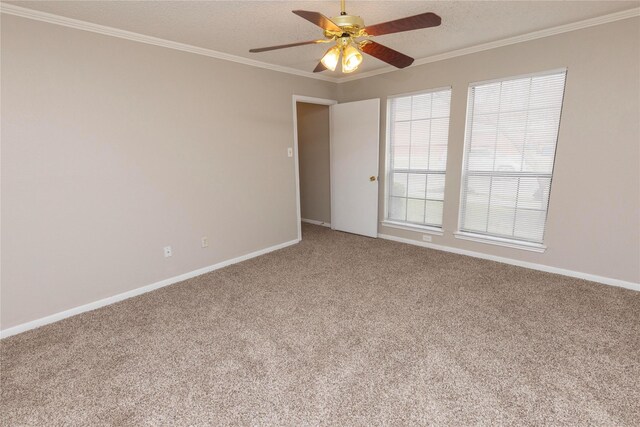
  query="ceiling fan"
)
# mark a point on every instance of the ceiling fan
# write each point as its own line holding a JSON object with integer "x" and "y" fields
{"x": 350, "y": 36}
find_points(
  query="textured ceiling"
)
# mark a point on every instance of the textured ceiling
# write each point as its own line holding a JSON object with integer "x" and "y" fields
{"x": 236, "y": 26}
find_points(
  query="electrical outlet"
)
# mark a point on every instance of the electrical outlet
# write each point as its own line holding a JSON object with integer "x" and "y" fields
{"x": 290, "y": 152}
{"x": 426, "y": 238}
{"x": 205, "y": 242}
{"x": 167, "y": 251}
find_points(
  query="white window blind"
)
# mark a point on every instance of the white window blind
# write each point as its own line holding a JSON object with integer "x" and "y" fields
{"x": 417, "y": 153}
{"x": 512, "y": 130}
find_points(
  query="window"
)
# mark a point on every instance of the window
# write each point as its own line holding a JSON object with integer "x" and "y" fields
{"x": 418, "y": 130}
{"x": 512, "y": 130}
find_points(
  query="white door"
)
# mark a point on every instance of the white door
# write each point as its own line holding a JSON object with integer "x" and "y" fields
{"x": 355, "y": 144}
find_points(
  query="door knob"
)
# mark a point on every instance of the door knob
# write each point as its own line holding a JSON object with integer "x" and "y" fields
{"x": 372, "y": 178}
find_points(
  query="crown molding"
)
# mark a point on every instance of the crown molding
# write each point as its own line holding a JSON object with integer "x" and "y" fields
{"x": 51, "y": 18}
{"x": 605, "y": 19}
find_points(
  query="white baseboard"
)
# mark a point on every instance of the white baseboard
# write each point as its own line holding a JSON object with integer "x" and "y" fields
{"x": 135, "y": 292}
{"x": 313, "y": 221}
{"x": 525, "y": 264}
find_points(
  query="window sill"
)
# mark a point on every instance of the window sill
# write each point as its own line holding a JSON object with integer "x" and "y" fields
{"x": 509, "y": 243}
{"x": 413, "y": 227}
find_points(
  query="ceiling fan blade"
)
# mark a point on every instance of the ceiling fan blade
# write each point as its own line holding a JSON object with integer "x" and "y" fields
{"x": 386, "y": 54}
{"x": 319, "y": 19}
{"x": 283, "y": 46}
{"x": 424, "y": 20}
{"x": 320, "y": 67}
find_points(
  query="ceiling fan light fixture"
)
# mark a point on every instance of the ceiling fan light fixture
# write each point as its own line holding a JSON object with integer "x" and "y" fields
{"x": 331, "y": 58}
{"x": 351, "y": 59}
{"x": 352, "y": 37}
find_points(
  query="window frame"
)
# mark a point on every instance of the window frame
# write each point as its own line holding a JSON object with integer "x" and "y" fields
{"x": 422, "y": 228}
{"x": 489, "y": 238}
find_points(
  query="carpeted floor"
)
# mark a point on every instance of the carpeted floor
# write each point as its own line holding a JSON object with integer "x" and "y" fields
{"x": 339, "y": 330}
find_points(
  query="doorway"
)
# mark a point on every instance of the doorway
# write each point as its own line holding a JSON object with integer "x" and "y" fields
{"x": 313, "y": 155}
{"x": 348, "y": 135}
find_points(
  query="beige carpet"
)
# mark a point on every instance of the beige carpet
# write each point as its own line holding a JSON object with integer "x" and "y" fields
{"x": 339, "y": 330}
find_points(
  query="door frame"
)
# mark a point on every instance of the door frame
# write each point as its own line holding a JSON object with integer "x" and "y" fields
{"x": 309, "y": 100}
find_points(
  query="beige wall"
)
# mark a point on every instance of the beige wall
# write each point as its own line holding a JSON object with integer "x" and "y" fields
{"x": 313, "y": 158}
{"x": 594, "y": 216}
{"x": 113, "y": 149}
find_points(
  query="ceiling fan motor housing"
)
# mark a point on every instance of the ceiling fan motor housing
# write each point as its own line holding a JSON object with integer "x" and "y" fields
{"x": 350, "y": 24}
